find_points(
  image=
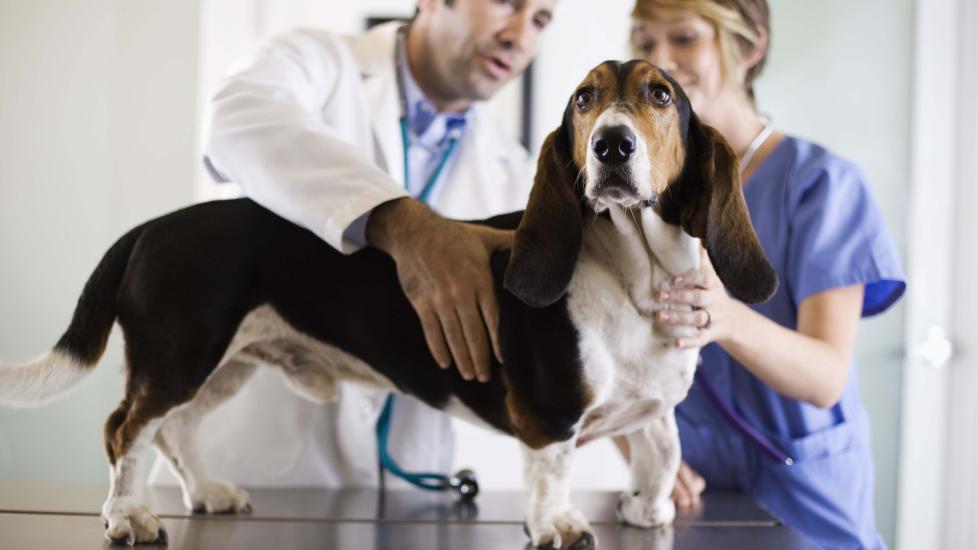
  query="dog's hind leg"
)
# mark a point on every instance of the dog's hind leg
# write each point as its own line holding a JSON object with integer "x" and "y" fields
{"x": 128, "y": 432}
{"x": 552, "y": 519}
{"x": 168, "y": 362}
{"x": 176, "y": 441}
{"x": 655, "y": 457}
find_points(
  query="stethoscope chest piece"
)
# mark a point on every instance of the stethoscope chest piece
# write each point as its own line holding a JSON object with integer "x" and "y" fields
{"x": 464, "y": 483}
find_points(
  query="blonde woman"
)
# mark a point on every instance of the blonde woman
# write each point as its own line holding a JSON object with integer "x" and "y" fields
{"x": 775, "y": 410}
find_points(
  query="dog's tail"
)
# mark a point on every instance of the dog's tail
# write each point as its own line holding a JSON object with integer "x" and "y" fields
{"x": 77, "y": 352}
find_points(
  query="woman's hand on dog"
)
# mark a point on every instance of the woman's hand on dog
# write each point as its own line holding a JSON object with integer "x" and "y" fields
{"x": 689, "y": 483}
{"x": 712, "y": 308}
{"x": 443, "y": 268}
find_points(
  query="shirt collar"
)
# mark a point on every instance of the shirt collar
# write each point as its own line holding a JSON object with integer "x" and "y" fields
{"x": 421, "y": 112}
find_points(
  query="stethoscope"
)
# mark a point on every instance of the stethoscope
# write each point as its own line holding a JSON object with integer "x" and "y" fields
{"x": 744, "y": 428}
{"x": 464, "y": 481}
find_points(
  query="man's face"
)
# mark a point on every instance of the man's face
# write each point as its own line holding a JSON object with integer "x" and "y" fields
{"x": 477, "y": 46}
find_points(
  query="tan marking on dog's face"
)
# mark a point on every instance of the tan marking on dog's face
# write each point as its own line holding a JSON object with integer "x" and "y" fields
{"x": 592, "y": 96}
{"x": 659, "y": 123}
{"x": 640, "y": 95}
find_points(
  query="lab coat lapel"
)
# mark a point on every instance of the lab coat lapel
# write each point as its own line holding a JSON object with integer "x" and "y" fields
{"x": 488, "y": 176}
{"x": 382, "y": 94}
{"x": 374, "y": 52}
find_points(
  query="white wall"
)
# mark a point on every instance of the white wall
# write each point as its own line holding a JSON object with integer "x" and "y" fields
{"x": 960, "y": 508}
{"x": 97, "y": 122}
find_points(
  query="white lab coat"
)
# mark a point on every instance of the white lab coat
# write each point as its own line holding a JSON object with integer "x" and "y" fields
{"x": 309, "y": 128}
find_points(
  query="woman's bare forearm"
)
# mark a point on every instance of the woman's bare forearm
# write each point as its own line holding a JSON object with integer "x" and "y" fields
{"x": 810, "y": 364}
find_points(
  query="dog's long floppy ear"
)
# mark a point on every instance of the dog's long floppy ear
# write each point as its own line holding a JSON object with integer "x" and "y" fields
{"x": 709, "y": 203}
{"x": 548, "y": 238}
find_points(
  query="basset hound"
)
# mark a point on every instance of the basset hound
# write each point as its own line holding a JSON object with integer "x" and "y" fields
{"x": 626, "y": 189}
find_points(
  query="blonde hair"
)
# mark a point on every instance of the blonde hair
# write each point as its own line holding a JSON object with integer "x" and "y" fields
{"x": 737, "y": 23}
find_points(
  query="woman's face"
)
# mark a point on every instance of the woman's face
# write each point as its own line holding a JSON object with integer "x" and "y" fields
{"x": 685, "y": 45}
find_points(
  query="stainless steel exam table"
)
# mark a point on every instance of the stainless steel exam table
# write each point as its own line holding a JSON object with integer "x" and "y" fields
{"x": 54, "y": 516}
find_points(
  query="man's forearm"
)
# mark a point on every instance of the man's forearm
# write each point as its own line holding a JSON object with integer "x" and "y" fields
{"x": 395, "y": 221}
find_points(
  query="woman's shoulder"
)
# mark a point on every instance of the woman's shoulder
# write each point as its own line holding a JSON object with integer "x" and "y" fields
{"x": 810, "y": 158}
{"x": 810, "y": 167}
{"x": 837, "y": 230}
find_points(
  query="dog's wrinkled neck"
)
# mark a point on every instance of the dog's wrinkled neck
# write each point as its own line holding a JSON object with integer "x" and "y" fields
{"x": 635, "y": 241}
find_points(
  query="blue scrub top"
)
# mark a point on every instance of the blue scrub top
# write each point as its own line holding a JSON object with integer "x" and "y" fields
{"x": 821, "y": 229}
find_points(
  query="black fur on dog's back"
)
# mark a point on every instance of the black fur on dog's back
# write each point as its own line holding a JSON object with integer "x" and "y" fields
{"x": 194, "y": 274}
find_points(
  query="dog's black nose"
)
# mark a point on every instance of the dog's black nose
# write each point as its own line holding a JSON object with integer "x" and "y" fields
{"x": 613, "y": 144}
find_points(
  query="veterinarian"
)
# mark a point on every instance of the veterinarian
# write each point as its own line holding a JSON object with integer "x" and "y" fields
{"x": 783, "y": 368}
{"x": 337, "y": 134}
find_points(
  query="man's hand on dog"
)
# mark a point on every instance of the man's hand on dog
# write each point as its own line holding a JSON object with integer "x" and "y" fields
{"x": 443, "y": 268}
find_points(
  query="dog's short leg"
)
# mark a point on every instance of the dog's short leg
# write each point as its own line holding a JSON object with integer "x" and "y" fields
{"x": 176, "y": 441}
{"x": 128, "y": 433}
{"x": 552, "y": 520}
{"x": 655, "y": 462}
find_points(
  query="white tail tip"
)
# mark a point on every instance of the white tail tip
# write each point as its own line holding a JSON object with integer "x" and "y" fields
{"x": 40, "y": 381}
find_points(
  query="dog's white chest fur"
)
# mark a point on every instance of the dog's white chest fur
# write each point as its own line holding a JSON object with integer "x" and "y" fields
{"x": 630, "y": 364}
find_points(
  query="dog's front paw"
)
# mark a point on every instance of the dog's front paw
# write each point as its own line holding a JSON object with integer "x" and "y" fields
{"x": 566, "y": 529}
{"x": 128, "y": 522}
{"x": 219, "y": 497}
{"x": 638, "y": 510}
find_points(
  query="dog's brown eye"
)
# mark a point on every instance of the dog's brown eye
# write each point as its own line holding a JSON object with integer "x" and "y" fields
{"x": 584, "y": 99}
{"x": 660, "y": 95}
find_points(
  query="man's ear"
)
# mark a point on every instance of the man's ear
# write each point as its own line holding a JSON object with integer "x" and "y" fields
{"x": 548, "y": 238}
{"x": 707, "y": 200}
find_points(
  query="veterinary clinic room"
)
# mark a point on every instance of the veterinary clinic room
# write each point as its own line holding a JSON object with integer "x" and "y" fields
{"x": 488, "y": 274}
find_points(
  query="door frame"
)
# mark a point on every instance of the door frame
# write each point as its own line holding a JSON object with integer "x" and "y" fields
{"x": 938, "y": 445}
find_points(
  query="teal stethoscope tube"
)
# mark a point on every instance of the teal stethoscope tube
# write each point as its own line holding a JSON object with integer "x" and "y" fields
{"x": 424, "y": 480}
{"x": 425, "y": 193}
{"x": 464, "y": 482}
